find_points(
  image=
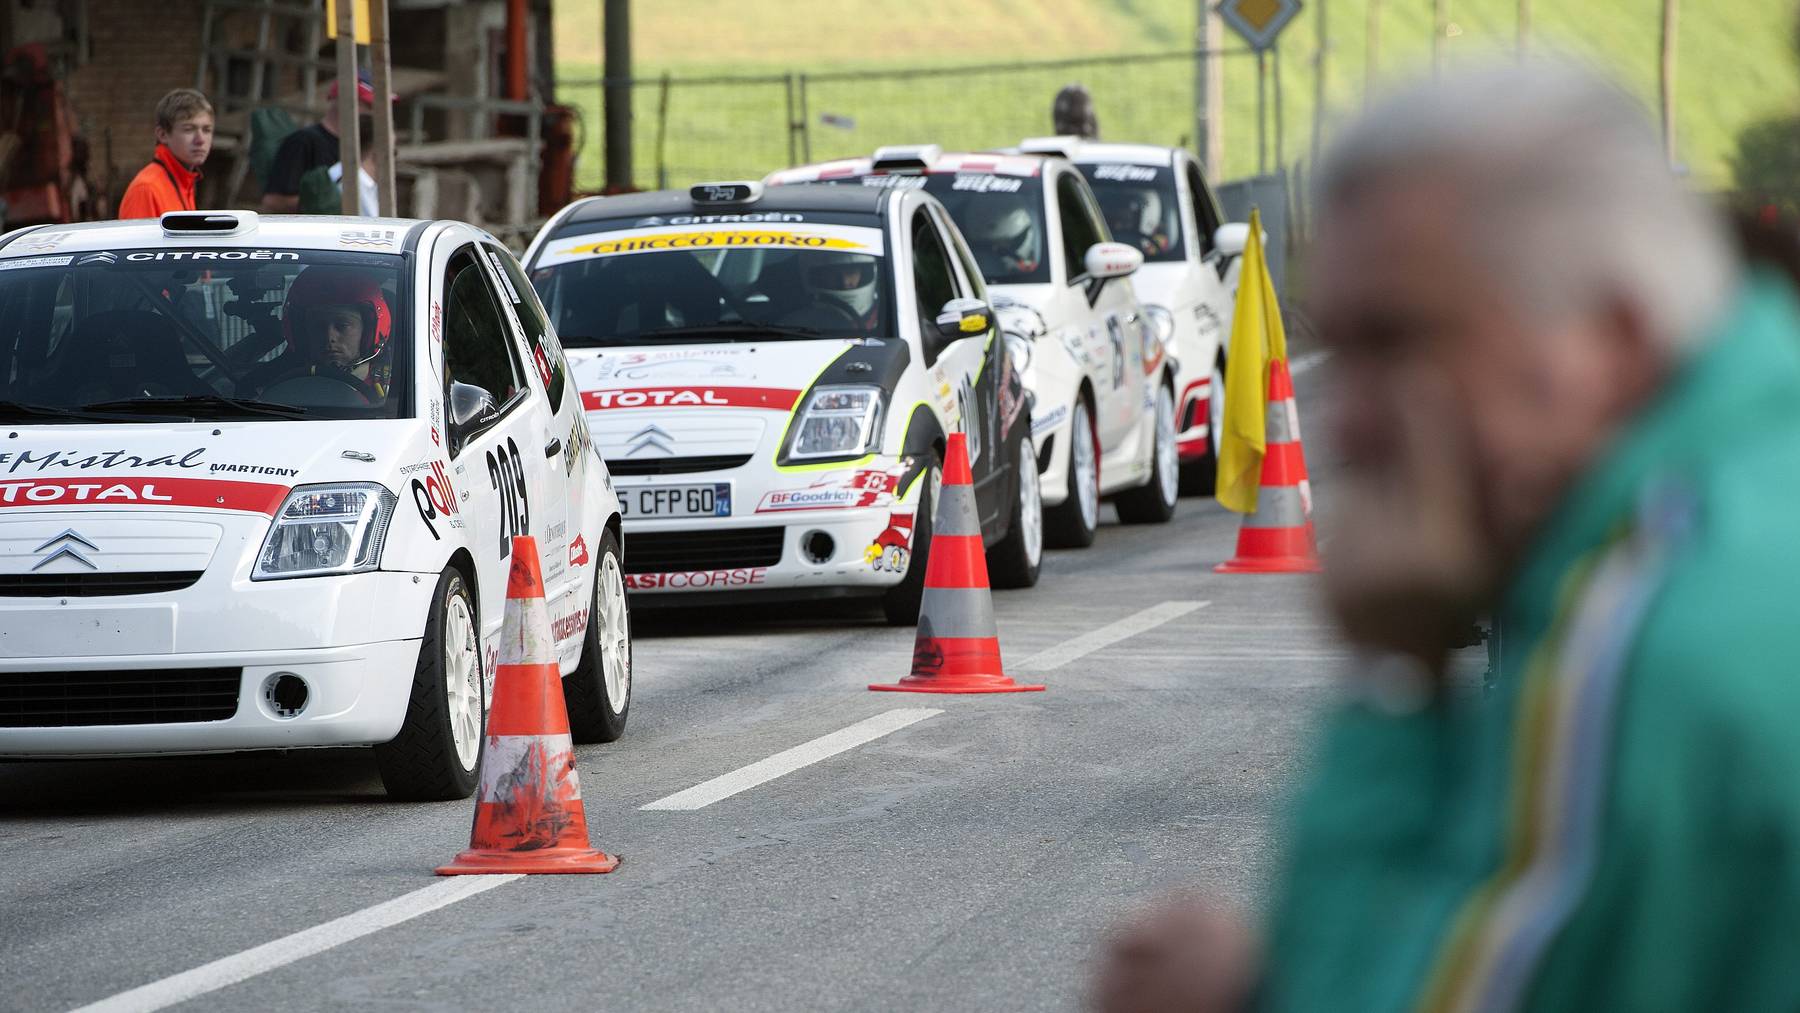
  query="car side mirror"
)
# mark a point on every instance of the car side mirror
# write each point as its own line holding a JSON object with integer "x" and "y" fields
{"x": 1105, "y": 261}
{"x": 472, "y": 411}
{"x": 964, "y": 317}
{"x": 1231, "y": 238}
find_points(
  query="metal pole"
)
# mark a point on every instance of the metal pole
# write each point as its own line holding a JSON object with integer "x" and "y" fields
{"x": 662, "y": 134}
{"x": 805, "y": 127}
{"x": 1371, "y": 50}
{"x": 1200, "y": 54}
{"x": 617, "y": 71}
{"x": 382, "y": 73}
{"x": 1262, "y": 112}
{"x": 1280, "y": 122}
{"x": 1671, "y": 12}
{"x": 793, "y": 149}
{"x": 1524, "y": 28}
{"x": 1318, "y": 124}
{"x": 1212, "y": 155}
{"x": 349, "y": 144}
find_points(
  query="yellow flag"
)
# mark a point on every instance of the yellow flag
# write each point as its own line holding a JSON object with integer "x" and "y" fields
{"x": 1257, "y": 339}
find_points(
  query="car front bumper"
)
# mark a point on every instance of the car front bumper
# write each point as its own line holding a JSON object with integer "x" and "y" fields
{"x": 868, "y": 552}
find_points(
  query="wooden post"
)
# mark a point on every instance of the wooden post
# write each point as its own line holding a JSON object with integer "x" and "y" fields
{"x": 617, "y": 71}
{"x": 1670, "y": 19}
{"x": 349, "y": 144}
{"x": 382, "y": 73}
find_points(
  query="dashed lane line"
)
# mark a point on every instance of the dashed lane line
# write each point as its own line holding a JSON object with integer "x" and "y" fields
{"x": 789, "y": 760}
{"x": 271, "y": 955}
{"x": 1105, "y": 636}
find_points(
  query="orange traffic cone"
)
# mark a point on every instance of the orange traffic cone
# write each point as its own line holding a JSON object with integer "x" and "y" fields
{"x": 528, "y": 814}
{"x": 958, "y": 648}
{"x": 1278, "y": 536}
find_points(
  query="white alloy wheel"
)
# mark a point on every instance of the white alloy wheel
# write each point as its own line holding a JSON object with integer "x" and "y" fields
{"x": 1168, "y": 459}
{"x": 1031, "y": 505}
{"x": 1215, "y": 408}
{"x": 1084, "y": 463}
{"x": 462, "y": 680}
{"x": 614, "y": 633}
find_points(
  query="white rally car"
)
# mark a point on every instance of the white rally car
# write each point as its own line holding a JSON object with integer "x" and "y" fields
{"x": 258, "y": 483}
{"x": 1102, "y": 383}
{"x": 771, "y": 378}
{"x": 1157, "y": 201}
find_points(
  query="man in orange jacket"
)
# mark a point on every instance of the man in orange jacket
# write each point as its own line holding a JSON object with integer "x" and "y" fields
{"x": 184, "y": 133}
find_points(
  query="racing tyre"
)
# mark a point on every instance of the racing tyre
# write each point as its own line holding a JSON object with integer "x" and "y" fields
{"x": 900, "y": 603}
{"x": 435, "y": 755}
{"x": 1071, "y": 523}
{"x": 1154, "y": 501}
{"x": 1201, "y": 477}
{"x": 598, "y": 692}
{"x": 1016, "y": 559}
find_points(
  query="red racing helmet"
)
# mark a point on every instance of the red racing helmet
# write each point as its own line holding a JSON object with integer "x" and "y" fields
{"x": 324, "y": 285}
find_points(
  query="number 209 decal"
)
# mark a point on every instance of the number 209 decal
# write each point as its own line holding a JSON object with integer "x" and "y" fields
{"x": 507, "y": 475}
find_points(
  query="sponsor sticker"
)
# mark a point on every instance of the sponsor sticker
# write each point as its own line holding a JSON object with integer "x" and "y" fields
{"x": 578, "y": 553}
{"x": 986, "y": 184}
{"x": 1126, "y": 173}
{"x": 20, "y": 263}
{"x": 76, "y": 460}
{"x": 214, "y": 494}
{"x": 711, "y": 237}
{"x": 212, "y": 255}
{"x": 1049, "y": 420}
{"x": 697, "y": 579}
{"x": 891, "y": 550}
{"x": 772, "y": 398}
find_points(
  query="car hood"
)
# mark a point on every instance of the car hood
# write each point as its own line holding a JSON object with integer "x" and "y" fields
{"x": 203, "y": 465}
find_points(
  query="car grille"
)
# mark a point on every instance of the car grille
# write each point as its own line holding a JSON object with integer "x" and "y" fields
{"x": 82, "y": 585}
{"x": 677, "y": 465}
{"x": 126, "y": 696}
{"x": 679, "y": 551}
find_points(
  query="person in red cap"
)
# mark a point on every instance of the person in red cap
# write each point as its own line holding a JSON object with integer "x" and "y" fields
{"x": 184, "y": 133}
{"x": 309, "y": 148}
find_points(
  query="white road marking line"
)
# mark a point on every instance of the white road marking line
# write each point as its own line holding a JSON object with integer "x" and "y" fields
{"x": 1111, "y": 633}
{"x": 1307, "y": 361}
{"x": 789, "y": 760}
{"x": 271, "y": 955}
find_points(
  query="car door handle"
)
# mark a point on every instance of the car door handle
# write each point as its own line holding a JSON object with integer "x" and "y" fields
{"x": 553, "y": 448}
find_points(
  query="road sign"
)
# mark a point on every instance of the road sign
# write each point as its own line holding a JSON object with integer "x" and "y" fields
{"x": 1258, "y": 21}
{"x": 360, "y": 8}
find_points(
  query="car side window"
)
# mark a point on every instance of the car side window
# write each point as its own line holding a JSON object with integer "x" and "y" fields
{"x": 1078, "y": 229}
{"x": 960, "y": 247}
{"x": 477, "y": 349}
{"x": 933, "y": 280}
{"x": 1206, "y": 213}
{"x": 546, "y": 351}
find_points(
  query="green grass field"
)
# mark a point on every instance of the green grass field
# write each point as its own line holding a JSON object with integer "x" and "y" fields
{"x": 1735, "y": 66}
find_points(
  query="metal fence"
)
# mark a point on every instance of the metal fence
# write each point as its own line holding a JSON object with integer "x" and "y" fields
{"x": 743, "y": 126}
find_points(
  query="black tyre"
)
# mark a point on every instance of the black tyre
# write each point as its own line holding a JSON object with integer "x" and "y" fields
{"x": 598, "y": 692}
{"x": 1071, "y": 523}
{"x": 439, "y": 746}
{"x": 900, "y": 603}
{"x": 1015, "y": 560}
{"x": 1154, "y": 501}
{"x": 1201, "y": 477}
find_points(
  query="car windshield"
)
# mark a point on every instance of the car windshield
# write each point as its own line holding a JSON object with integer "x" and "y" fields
{"x": 1001, "y": 218}
{"x": 149, "y": 335}
{"x": 1140, "y": 205}
{"x": 628, "y": 283}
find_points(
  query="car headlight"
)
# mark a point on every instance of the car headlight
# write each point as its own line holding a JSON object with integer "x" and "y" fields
{"x": 1162, "y": 321}
{"x": 326, "y": 529}
{"x": 838, "y": 421}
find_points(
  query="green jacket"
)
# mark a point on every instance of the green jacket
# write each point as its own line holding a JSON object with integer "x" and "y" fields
{"x": 1616, "y": 825}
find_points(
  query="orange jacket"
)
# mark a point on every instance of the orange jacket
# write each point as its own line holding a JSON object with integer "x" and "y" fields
{"x": 163, "y": 185}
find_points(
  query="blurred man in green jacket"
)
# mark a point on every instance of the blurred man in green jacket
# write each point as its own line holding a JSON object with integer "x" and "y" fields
{"x": 1562, "y": 401}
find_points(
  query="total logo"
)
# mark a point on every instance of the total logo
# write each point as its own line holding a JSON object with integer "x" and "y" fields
{"x": 653, "y": 398}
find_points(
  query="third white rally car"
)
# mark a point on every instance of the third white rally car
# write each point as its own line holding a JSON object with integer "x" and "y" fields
{"x": 258, "y": 482}
{"x": 772, "y": 377}
{"x": 1101, "y": 379}
{"x": 1157, "y": 201}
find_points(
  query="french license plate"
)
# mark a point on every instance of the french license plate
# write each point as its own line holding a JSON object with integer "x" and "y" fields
{"x": 711, "y": 499}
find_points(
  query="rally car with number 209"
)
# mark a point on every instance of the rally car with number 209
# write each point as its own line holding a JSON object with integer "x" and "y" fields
{"x": 771, "y": 378}
{"x": 258, "y": 485}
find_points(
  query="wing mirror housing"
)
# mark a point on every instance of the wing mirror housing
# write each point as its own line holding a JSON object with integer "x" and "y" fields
{"x": 964, "y": 317}
{"x": 1231, "y": 238}
{"x": 1105, "y": 261}
{"x": 473, "y": 411}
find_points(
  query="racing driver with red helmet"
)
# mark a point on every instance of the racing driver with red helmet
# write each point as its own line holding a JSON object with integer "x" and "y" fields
{"x": 337, "y": 324}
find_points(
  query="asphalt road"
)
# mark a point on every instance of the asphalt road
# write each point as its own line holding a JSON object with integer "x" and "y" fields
{"x": 972, "y": 859}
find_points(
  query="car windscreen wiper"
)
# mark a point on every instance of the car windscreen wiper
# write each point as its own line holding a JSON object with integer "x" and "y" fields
{"x": 210, "y": 405}
{"x": 745, "y": 331}
{"x": 19, "y": 411}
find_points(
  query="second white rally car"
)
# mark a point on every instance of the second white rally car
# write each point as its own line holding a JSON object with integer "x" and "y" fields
{"x": 1157, "y": 201}
{"x": 772, "y": 377}
{"x": 258, "y": 485}
{"x": 1099, "y": 373}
